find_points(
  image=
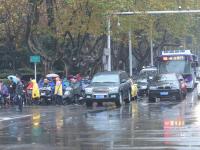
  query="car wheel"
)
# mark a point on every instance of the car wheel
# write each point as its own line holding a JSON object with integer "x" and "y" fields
{"x": 89, "y": 103}
{"x": 119, "y": 102}
{"x": 199, "y": 97}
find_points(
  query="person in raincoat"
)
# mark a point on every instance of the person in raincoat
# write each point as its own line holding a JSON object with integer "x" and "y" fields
{"x": 58, "y": 91}
{"x": 35, "y": 90}
{"x": 46, "y": 83}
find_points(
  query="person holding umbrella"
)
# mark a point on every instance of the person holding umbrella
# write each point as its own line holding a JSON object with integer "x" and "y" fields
{"x": 12, "y": 87}
{"x": 18, "y": 91}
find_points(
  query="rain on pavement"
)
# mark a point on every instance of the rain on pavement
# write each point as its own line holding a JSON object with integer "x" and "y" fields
{"x": 139, "y": 125}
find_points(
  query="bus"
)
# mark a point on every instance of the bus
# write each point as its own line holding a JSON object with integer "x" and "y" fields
{"x": 180, "y": 62}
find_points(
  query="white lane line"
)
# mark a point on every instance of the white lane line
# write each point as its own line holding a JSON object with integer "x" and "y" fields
{"x": 13, "y": 118}
{"x": 157, "y": 148}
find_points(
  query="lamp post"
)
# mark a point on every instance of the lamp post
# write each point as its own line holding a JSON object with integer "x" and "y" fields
{"x": 151, "y": 41}
{"x": 108, "y": 46}
{"x": 130, "y": 54}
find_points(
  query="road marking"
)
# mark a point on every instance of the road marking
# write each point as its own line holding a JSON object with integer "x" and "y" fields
{"x": 158, "y": 147}
{"x": 14, "y": 118}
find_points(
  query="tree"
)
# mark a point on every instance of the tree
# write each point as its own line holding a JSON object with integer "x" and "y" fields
{"x": 12, "y": 32}
{"x": 72, "y": 33}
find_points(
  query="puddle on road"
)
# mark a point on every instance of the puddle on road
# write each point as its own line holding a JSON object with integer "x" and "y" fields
{"x": 134, "y": 125}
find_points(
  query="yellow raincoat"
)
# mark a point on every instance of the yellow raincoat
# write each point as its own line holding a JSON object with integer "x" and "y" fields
{"x": 35, "y": 91}
{"x": 58, "y": 88}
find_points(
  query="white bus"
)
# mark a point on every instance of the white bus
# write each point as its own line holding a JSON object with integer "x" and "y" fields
{"x": 181, "y": 62}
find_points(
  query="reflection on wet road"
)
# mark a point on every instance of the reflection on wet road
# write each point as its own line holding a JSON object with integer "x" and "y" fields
{"x": 139, "y": 125}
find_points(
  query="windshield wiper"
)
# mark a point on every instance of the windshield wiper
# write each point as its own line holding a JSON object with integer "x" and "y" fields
{"x": 97, "y": 82}
{"x": 109, "y": 82}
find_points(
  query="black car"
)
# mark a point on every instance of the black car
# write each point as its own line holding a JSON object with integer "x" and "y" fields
{"x": 145, "y": 75}
{"x": 166, "y": 86}
{"x": 109, "y": 87}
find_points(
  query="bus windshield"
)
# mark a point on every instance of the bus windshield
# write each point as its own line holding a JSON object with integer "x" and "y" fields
{"x": 174, "y": 66}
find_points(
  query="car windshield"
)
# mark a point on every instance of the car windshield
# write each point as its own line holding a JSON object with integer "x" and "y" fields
{"x": 174, "y": 67}
{"x": 166, "y": 78}
{"x": 106, "y": 78}
{"x": 147, "y": 73}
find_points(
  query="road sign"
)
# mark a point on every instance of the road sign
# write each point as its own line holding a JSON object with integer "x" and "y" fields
{"x": 35, "y": 59}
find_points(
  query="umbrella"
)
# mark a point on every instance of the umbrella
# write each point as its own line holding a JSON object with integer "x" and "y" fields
{"x": 13, "y": 78}
{"x": 52, "y": 75}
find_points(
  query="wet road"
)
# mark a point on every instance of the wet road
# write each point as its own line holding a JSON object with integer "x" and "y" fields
{"x": 139, "y": 125}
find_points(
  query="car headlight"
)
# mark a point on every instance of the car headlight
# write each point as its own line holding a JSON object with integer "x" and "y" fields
{"x": 113, "y": 90}
{"x": 152, "y": 88}
{"x": 88, "y": 90}
{"x": 175, "y": 87}
{"x": 143, "y": 87}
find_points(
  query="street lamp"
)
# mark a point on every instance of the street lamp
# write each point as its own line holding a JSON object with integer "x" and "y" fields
{"x": 151, "y": 44}
{"x": 130, "y": 54}
{"x": 109, "y": 48}
{"x": 108, "y": 45}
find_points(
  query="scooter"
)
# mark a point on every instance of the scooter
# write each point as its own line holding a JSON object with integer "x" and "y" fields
{"x": 68, "y": 95}
{"x": 46, "y": 95}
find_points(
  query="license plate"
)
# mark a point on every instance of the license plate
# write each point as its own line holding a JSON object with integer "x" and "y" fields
{"x": 157, "y": 99}
{"x": 42, "y": 94}
{"x": 164, "y": 93}
{"x": 99, "y": 96}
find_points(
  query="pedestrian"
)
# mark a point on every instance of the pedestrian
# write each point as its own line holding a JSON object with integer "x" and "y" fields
{"x": 41, "y": 82}
{"x": 6, "y": 94}
{"x": 4, "y": 90}
{"x": 58, "y": 91}
{"x": 11, "y": 89}
{"x": 78, "y": 77}
{"x": 35, "y": 92}
{"x": 46, "y": 83}
{"x": 19, "y": 93}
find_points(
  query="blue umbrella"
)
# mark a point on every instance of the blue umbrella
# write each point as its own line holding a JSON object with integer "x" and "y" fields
{"x": 13, "y": 78}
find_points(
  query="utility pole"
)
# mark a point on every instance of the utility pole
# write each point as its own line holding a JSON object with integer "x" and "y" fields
{"x": 151, "y": 41}
{"x": 130, "y": 54}
{"x": 108, "y": 45}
